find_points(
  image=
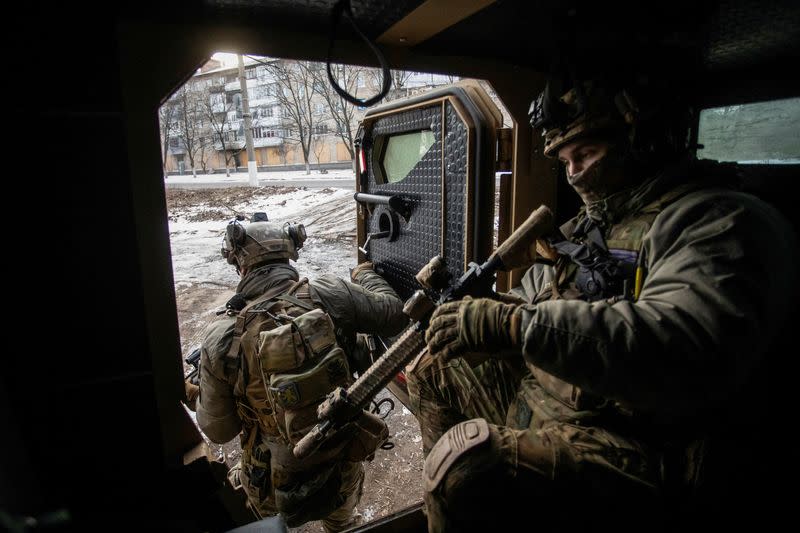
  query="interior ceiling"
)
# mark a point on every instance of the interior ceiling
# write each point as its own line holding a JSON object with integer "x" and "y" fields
{"x": 717, "y": 36}
{"x": 373, "y": 16}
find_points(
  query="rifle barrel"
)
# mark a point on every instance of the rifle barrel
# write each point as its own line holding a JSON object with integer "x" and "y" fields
{"x": 387, "y": 365}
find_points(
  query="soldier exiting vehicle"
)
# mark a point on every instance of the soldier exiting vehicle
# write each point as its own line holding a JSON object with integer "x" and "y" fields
{"x": 266, "y": 363}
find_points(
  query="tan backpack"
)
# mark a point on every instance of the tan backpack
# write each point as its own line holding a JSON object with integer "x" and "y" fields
{"x": 291, "y": 344}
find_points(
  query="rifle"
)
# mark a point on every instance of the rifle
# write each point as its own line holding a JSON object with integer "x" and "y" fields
{"x": 194, "y": 359}
{"x": 343, "y": 406}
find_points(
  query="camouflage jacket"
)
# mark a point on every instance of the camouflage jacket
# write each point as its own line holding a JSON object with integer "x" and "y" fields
{"x": 370, "y": 306}
{"x": 719, "y": 274}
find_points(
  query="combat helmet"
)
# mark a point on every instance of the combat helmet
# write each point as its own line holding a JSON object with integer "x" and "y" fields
{"x": 260, "y": 241}
{"x": 641, "y": 113}
{"x": 567, "y": 112}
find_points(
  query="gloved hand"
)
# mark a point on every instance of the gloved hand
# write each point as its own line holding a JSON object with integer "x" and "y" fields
{"x": 192, "y": 391}
{"x": 509, "y": 298}
{"x": 366, "y": 265}
{"x": 468, "y": 325}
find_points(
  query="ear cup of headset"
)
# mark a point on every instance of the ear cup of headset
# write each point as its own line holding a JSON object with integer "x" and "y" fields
{"x": 234, "y": 237}
{"x": 236, "y": 234}
{"x": 297, "y": 232}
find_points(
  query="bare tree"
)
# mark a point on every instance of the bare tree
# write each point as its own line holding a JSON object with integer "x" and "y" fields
{"x": 282, "y": 151}
{"x": 205, "y": 146}
{"x": 295, "y": 94}
{"x": 318, "y": 145}
{"x": 399, "y": 80}
{"x": 344, "y": 115}
{"x": 191, "y": 126}
{"x": 217, "y": 110}
{"x": 166, "y": 118}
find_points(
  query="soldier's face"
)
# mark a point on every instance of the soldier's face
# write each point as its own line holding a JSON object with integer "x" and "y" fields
{"x": 590, "y": 170}
{"x": 580, "y": 155}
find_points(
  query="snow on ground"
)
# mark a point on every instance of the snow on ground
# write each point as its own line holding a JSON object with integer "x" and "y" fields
{"x": 203, "y": 279}
{"x": 328, "y": 214}
{"x": 243, "y": 177}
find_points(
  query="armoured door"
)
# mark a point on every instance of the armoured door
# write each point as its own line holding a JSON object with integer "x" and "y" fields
{"x": 426, "y": 182}
{"x": 425, "y": 187}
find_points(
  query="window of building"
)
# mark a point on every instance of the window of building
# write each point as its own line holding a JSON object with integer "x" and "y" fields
{"x": 319, "y": 108}
{"x": 250, "y": 73}
{"x": 262, "y": 132}
{"x": 217, "y": 99}
{"x": 320, "y": 129}
{"x": 237, "y": 102}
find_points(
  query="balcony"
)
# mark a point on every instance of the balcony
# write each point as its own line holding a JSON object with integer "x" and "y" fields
{"x": 267, "y": 141}
{"x": 230, "y": 145}
{"x": 267, "y": 121}
{"x": 262, "y": 101}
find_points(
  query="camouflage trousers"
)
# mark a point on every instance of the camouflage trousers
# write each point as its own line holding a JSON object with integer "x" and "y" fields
{"x": 497, "y": 455}
{"x": 327, "y": 492}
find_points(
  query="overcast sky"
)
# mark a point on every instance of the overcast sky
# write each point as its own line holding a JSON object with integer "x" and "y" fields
{"x": 226, "y": 58}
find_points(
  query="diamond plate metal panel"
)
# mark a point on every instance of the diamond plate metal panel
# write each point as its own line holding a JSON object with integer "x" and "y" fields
{"x": 455, "y": 171}
{"x": 419, "y": 238}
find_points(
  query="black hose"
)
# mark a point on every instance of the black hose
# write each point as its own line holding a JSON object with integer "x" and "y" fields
{"x": 343, "y": 8}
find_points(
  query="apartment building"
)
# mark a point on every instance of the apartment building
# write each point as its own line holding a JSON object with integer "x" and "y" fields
{"x": 293, "y": 120}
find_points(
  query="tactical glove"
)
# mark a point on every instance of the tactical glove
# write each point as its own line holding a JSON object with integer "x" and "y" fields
{"x": 468, "y": 325}
{"x": 367, "y": 265}
{"x": 509, "y": 298}
{"x": 192, "y": 392}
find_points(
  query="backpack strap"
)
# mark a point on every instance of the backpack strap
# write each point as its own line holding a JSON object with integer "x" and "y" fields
{"x": 242, "y": 319}
{"x": 296, "y": 301}
{"x": 295, "y": 296}
{"x": 232, "y": 359}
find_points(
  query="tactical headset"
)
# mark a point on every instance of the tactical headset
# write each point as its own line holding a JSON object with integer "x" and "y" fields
{"x": 236, "y": 235}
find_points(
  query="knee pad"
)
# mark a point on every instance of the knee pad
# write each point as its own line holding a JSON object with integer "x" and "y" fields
{"x": 459, "y": 441}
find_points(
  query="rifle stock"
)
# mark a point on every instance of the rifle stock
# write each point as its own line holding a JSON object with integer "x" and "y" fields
{"x": 342, "y": 406}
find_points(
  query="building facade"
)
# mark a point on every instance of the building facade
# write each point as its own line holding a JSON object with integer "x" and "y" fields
{"x": 292, "y": 123}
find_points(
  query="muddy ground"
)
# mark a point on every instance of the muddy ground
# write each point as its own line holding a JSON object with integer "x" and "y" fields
{"x": 393, "y": 478}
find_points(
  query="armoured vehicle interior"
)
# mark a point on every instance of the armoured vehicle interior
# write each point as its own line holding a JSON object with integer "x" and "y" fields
{"x": 94, "y": 432}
